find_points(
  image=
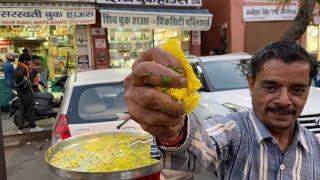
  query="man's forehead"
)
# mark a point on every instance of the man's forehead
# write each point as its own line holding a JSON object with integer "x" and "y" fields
{"x": 277, "y": 62}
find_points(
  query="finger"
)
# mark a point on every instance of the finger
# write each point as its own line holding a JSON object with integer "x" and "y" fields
{"x": 162, "y": 57}
{"x": 156, "y": 100}
{"x": 154, "y": 74}
{"x": 150, "y": 117}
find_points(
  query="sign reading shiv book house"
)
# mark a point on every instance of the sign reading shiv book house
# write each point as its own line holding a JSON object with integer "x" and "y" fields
{"x": 149, "y": 20}
{"x": 47, "y": 15}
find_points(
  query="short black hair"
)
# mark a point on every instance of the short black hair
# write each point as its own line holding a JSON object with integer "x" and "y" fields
{"x": 23, "y": 58}
{"x": 34, "y": 57}
{"x": 286, "y": 51}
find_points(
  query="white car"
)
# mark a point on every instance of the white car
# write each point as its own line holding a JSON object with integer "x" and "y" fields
{"x": 224, "y": 81}
{"x": 93, "y": 99}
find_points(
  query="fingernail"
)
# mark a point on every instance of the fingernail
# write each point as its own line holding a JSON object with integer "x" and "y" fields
{"x": 183, "y": 82}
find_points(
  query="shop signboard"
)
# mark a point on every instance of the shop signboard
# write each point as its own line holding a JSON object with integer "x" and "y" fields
{"x": 269, "y": 13}
{"x": 200, "y": 22}
{"x": 46, "y": 15}
{"x": 28, "y": 1}
{"x": 185, "y": 3}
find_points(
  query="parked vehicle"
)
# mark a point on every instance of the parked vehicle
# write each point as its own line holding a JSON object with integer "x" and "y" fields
{"x": 43, "y": 107}
{"x": 93, "y": 101}
{"x": 224, "y": 82}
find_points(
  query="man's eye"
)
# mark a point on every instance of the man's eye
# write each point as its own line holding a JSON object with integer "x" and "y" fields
{"x": 299, "y": 91}
{"x": 269, "y": 88}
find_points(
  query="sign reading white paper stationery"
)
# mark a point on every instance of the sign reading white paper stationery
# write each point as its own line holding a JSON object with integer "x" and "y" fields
{"x": 47, "y": 16}
{"x": 269, "y": 13}
{"x": 152, "y": 21}
{"x": 186, "y": 3}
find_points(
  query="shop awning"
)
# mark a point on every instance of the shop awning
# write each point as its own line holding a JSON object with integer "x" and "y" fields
{"x": 46, "y": 14}
{"x": 156, "y": 18}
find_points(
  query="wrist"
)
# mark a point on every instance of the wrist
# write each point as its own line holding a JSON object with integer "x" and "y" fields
{"x": 176, "y": 141}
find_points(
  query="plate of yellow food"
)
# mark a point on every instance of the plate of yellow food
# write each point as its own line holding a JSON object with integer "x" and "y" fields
{"x": 107, "y": 155}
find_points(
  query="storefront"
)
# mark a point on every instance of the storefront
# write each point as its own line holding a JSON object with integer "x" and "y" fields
{"x": 130, "y": 30}
{"x": 58, "y": 32}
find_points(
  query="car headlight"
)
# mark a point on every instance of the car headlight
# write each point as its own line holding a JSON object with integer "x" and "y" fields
{"x": 235, "y": 108}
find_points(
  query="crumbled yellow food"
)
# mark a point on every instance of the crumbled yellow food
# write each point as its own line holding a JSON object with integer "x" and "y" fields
{"x": 107, "y": 154}
{"x": 188, "y": 95}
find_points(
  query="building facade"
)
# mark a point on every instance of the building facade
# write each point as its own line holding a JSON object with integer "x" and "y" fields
{"x": 125, "y": 28}
{"x": 246, "y": 25}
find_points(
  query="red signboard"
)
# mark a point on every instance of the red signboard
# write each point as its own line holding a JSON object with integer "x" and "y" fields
{"x": 5, "y": 42}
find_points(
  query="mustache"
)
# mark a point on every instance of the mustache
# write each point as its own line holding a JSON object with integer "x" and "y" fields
{"x": 282, "y": 110}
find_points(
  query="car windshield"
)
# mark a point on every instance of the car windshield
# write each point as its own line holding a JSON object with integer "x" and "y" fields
{"x": 100, "y": 102}
{"x": 224, "y": 75}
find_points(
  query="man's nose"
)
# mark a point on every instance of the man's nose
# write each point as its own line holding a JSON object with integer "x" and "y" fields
{"x": 284, "y": 97}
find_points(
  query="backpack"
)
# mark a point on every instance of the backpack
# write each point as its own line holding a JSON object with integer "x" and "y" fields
{"x": 21, "y": 81}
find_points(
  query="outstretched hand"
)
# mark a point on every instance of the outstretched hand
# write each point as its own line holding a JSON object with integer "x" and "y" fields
{"x": 156, "y": 112}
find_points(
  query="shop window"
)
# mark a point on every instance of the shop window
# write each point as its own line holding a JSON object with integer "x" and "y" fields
{"x": 162, "y": 35}
{"x": 126, "y": 45}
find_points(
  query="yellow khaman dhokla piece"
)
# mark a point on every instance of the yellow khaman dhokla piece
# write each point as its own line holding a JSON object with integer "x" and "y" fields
{"x": 188, "y": 95}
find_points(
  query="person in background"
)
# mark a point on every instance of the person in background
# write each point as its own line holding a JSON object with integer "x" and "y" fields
{"x": 8, "y": 69}
{"x": 35, "y": 67}
{"x": 23, "y": 87}
{"x": 265, "y": 143}
{"x": 23, "y": 63}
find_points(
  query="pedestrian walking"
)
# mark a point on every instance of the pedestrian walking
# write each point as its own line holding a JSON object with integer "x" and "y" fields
{"x": 265, "y": 143}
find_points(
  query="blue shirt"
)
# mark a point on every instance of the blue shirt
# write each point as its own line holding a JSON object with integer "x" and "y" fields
{"x": 239, "y": 146}
{"x": 8, "y": 70}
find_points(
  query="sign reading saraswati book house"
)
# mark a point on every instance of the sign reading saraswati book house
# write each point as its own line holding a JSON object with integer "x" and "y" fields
{"x": 44, "y": 15}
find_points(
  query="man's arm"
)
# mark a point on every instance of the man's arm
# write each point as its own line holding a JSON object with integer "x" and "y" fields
{"x": 207, "y": 144}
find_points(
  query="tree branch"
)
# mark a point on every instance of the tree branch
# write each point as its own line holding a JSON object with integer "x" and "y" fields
{"x": 301, "y": 21}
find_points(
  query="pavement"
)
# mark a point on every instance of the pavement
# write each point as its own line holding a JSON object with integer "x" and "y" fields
{"x": 26, "y": 161}
{"x": 9, "y": 128}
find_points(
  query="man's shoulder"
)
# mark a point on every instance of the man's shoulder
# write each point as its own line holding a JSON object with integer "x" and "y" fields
{"x": 238, "y": 118}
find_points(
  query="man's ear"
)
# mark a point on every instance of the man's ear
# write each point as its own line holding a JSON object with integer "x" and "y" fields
{"x": 250, "y": 83}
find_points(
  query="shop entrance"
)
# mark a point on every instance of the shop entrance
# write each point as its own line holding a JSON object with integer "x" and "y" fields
{"x": 54, "y": 44}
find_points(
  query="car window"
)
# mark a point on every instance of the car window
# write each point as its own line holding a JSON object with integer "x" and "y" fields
{"x": 96, "y": 103}
{"x": 225, "y": 75}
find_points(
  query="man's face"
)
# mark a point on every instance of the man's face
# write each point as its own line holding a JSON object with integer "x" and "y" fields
{"x": 280, "y": 92}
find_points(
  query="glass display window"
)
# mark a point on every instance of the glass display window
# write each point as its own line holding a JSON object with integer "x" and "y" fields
{"x": 126, "y": 45}
{"x": 62, "y": 49}
{"x": 161, "y": 36}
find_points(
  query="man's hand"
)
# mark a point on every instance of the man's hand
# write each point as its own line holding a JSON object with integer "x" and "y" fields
{"x": 156, "y": 112}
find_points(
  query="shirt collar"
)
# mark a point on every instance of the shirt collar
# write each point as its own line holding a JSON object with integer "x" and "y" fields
{"x": 261, "y": 130}
{"x": 263, "y": 133}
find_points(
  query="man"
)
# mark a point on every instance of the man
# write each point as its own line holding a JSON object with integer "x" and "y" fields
{"x": 35, "y": 67}
{"x": 26, "y": 96}
{"x": 8, "y": 69}
{"x": 264, "y": 143}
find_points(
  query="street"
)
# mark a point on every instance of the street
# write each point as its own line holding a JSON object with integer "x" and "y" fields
{"x": 26, "y": 160}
